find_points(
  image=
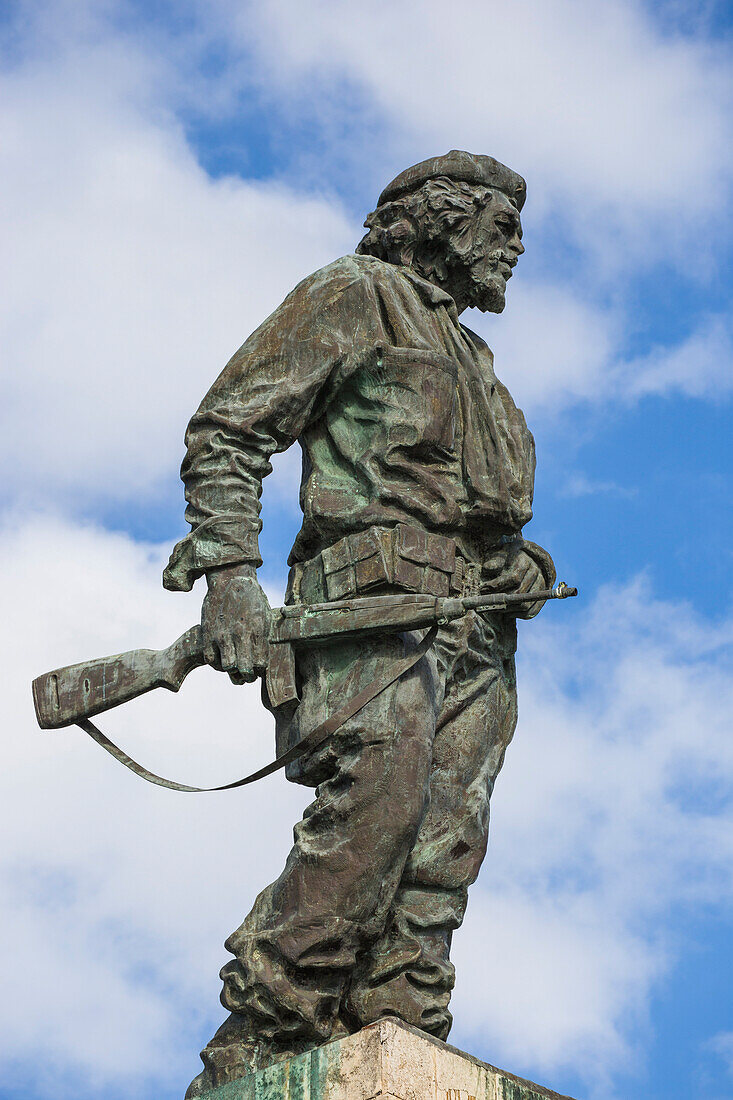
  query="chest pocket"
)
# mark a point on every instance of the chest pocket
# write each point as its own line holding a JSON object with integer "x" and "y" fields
{"x": 417, "y": 396}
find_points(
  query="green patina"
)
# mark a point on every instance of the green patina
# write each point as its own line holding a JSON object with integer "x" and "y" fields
{"x": 305, "y": 1077}
{"x": 519, "y": 1090}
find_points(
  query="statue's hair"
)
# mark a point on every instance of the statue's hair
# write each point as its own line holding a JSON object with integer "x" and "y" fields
{"x": 430, "y": 229}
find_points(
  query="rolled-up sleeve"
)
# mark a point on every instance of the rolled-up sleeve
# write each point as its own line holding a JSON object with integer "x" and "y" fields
{"x": 259, "y": 405}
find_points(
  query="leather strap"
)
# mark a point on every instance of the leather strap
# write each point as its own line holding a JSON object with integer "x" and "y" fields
{"x": 310, "y": 741}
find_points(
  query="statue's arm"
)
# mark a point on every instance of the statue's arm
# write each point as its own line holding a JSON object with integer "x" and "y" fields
{"x": 259, "y": 404}
{"x": 523, "y": 567}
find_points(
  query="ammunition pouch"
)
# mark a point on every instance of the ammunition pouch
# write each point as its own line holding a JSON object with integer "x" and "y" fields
{"x": 401, "y": 557}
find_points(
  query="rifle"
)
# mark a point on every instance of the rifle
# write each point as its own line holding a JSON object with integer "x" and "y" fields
{"x": 76, "y": 693}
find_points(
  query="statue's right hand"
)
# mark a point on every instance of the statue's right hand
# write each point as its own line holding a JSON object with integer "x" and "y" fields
{"x": 235, "y": 622}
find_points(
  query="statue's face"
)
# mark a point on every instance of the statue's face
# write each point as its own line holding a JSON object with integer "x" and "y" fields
{"x": 497, "y": 247}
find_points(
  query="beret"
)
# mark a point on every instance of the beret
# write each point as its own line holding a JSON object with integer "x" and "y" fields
{"x": 460, "y": 166}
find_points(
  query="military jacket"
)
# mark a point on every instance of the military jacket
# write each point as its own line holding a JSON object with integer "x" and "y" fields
{"x": 396, "y": 407}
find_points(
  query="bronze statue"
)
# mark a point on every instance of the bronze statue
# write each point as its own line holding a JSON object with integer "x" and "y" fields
{"x": 417, "y": 480}
{"x": 417, "y": 476}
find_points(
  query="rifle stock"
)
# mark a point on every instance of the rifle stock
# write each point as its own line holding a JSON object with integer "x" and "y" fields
{"x": 67, "y": 694}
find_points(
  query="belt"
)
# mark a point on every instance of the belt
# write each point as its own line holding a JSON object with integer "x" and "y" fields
{"x": 403, "y": 557}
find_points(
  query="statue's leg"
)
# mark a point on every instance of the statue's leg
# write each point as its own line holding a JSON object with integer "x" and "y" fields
{"x": 408, "y": 972}
{"x": 295, "y": 951}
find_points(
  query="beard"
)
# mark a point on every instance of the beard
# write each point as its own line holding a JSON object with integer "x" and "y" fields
{"x": 479, "y": 279}
{"x": 471, "y": 274}
{"x": 485, "y": 281}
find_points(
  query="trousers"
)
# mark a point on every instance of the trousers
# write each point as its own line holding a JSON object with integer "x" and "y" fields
{"x": 359, "y": 923}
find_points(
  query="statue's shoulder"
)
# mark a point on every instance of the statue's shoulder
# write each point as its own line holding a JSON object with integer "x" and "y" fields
{"x": 346, "y": 272}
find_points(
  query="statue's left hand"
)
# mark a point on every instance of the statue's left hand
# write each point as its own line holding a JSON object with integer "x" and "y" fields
{"x": 512, "y": 568}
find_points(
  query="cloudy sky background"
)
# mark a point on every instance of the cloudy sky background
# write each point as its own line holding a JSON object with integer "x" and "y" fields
{"x": 169, "y": 171}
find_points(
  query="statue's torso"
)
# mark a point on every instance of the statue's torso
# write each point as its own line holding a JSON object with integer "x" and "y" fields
{"x": 421, "y": 432}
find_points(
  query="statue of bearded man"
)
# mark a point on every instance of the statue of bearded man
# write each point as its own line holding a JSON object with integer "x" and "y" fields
{"x": 418, "y": 474}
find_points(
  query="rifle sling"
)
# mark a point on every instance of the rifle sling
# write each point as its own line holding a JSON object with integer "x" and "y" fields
{"x": 310, "y": 741}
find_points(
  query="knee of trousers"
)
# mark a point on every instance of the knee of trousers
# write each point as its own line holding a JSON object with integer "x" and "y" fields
{"x": 374, "y": 781}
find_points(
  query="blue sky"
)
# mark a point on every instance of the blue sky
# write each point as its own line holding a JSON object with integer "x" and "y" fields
{"x": 169, "y": 172}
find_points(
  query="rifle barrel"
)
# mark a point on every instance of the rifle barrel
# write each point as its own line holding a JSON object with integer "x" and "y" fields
{"x": 502, "y": 599}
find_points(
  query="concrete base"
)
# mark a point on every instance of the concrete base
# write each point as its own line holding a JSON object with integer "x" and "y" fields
{"x": 389, "y": 1060}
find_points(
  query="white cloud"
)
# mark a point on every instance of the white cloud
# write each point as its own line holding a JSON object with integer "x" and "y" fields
{"x": 134, "y": 275}
{"x": 722, "y": 1045}
{"x": 578, "y": 485}
{"x": 556, "y": 351}
{"x": 699, "y": 367}
{"x": 549, "y": 984}
{"x": 609, "y": 115}
{"x": 121, "y": 893}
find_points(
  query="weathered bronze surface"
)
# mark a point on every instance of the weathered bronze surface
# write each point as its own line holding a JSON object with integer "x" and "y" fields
{"x": 418, "y": 474}
{"x": 403, "y": 425}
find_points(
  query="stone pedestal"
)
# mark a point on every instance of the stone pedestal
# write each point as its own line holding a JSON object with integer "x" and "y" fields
{"x": 389, "y": 1060}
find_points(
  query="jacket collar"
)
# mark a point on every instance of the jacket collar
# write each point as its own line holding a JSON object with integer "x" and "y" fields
{"x": 428, "y": 291}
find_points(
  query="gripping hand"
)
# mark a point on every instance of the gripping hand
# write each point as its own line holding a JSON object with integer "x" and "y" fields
{"x": 522, "y": 567}
{"x": 235, "y": 622}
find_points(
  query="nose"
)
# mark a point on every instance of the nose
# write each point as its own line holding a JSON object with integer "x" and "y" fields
{"x": 516, "y": 244}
